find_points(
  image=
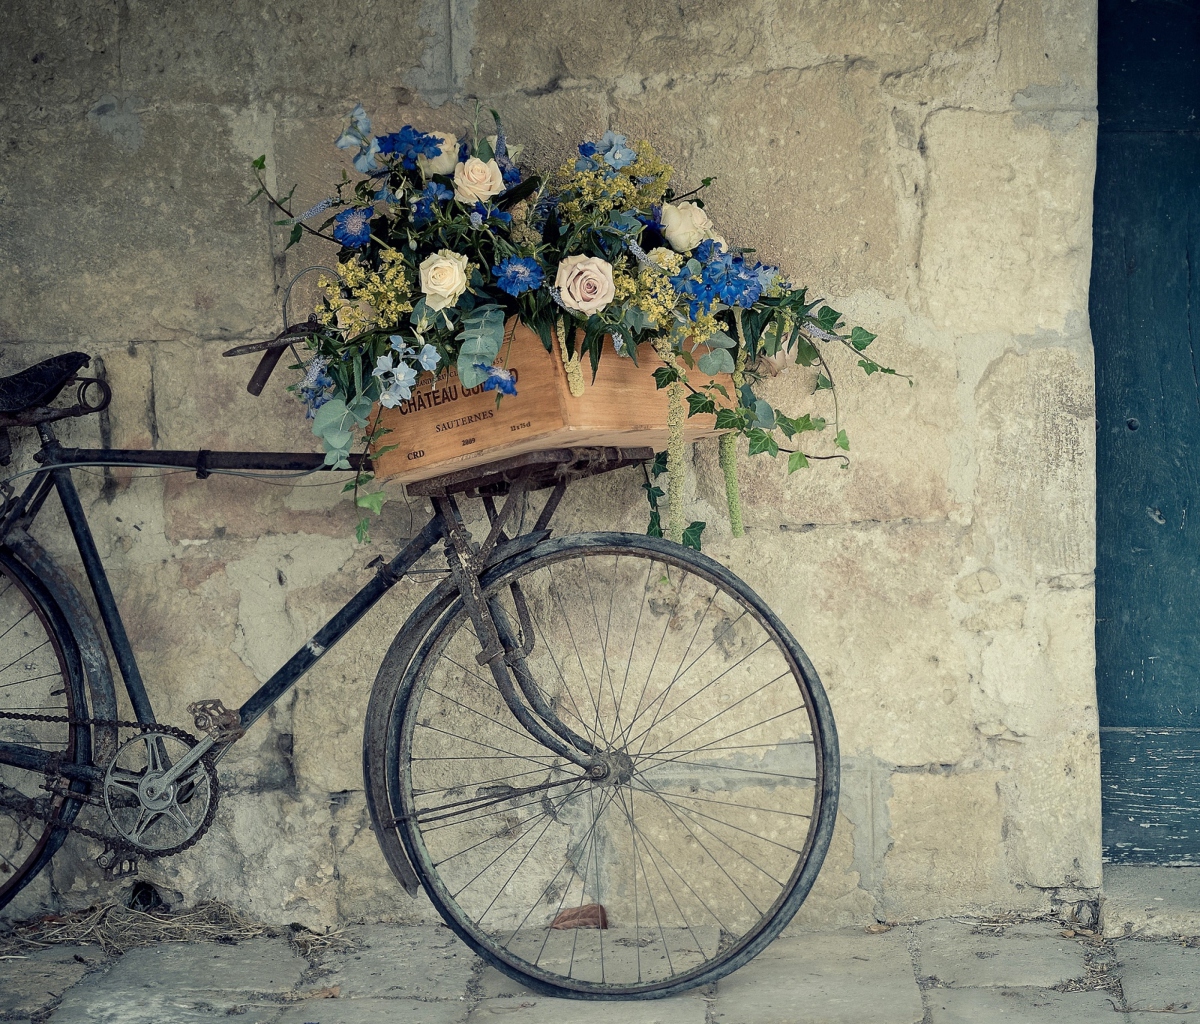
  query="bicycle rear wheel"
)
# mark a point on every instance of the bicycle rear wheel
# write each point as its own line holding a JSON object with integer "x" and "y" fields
{"x": 40, "y": 674}
{"x": 718, "y": 807}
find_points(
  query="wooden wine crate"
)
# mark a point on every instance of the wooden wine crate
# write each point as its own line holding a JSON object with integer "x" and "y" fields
{"x": 445, "y": 427}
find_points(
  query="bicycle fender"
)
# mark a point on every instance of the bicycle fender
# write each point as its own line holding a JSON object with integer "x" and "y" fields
{"x": 101, "y": 689}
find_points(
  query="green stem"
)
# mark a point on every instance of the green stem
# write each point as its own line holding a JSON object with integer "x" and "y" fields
{"x": 727, "y": 443}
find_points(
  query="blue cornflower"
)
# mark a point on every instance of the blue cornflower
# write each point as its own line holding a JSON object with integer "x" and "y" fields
{"x": 352, "y": 227}
{"x": 408, "y": 144}
{"x": 518, "y": 274}
{"x": 615, "y": 151}
{"x": 498, "y": 379}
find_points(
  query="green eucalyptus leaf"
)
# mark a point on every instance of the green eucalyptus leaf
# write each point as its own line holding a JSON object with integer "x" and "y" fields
{"x": 482, "y": 336}
{"x": 717, "y": 361}
{"x": 720, "y": 340}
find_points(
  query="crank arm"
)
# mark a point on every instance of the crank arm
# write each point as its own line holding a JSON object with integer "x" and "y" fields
{"x": 185, "y": 763}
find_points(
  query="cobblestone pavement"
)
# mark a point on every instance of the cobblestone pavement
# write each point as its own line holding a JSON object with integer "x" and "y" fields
{"x": 939, "y": 972}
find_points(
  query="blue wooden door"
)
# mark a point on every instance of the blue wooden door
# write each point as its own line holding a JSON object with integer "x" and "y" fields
{"x": 1145, "y": 317}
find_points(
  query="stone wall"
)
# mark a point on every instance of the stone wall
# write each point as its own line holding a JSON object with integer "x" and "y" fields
{"x": 925, "y": 164}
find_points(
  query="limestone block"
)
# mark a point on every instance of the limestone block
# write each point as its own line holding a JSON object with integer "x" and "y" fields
{"x": 900, "y": 449}
{"x": 837, "y": 898}
{"x": 1036, "y": 456}
{"x": 428, "y": 963}
{"x": 800, "y": 158}
{"x": 983, "y": 1006}
{"x": 1007, "y": 232}
{"x": 153, "y": 240}
{"x": 233, "y": 54}
{"x": 947, "y": 854}
{"x": 250, "y": 860}
{"x": 1053, "y": 799}
{"x": 1157, "y": 976}
{"x": 56, "y": 54}
{"x": 529, "y": 46}
{"x": 1047, "y": 53}
{"x": 871, "y": 610}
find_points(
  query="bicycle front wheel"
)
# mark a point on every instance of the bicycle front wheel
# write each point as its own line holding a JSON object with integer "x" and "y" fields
{"x": 717, "y": 809}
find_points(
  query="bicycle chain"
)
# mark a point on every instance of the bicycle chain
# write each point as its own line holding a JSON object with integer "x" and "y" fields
{"x": 28, "y": 807}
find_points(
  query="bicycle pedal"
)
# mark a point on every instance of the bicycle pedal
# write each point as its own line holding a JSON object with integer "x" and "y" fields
{"x": 117, "y": 865}
{"x": 223, "y": 724}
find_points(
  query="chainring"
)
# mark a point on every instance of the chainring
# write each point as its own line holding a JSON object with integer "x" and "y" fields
{"x": 116, "y": 845}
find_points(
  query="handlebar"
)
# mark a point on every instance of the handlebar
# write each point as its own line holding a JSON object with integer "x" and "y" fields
{"x": 272, "y": 352}
{"x": 266, "y": 365}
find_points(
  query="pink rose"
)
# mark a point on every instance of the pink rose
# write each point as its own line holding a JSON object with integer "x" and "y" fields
{"x": 585, "y": 283}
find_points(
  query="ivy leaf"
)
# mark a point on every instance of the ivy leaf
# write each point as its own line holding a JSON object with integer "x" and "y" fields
{"x": 664, "y": 376}
{"x": 843, "y": 442}
{"x": 827, "y": 318}
{"x": 730, "y": 419}
{"x": 655, "y": 527}
{"x": 824, "y": 383}
{"x": 698, "y": 404}
{"x": 861, "y": 338}
{"x": 717, "y": 361}
{"x": 260, "y": 163}
{"x": 797, "y": 460}
{"x": 806, "y": 352}
{"x": 691, "y": 536}
{"x": 659, "y": 467}
{"x": 295, "y": 236}
{"x": 362, "y": 531}
{"x": 482, "y": 335}
{"x": 868, "y": 366}
{"x": 761, "y": 441}
{"x": 373, "y": 501}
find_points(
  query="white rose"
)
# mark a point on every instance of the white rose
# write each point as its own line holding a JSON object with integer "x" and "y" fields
{"x": 443, "y": 278}
{"x": 585, "y": 283}
{"x": 444, "y": 162}
{"x": 685, "y": 225}
{"x": 476, "y": 182}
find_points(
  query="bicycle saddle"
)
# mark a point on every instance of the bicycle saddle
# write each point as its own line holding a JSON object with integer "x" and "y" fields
{"x": 39, "y": 384}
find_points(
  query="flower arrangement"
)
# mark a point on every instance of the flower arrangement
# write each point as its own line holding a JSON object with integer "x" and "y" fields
{"x": 443, "y": 239}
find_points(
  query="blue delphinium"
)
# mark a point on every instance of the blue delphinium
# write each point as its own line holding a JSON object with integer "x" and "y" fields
{"x": 408, "y": 144}
{"x": 433, "y": 194}
{"x": 352, "y": 227}
{"x": 498, "y": 379}
{"x": 481, "y": 214}
{"x": 508, "y": 170}
{"x": 729, "y": 278}
{"x": 518, "y": 274}
{"x": 614, "y": 150}
{"x": 586, "y": 161}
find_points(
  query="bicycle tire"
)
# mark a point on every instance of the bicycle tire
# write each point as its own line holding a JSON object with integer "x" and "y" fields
{"x": 404, "y": 682}
{"x": 49, "y": 679}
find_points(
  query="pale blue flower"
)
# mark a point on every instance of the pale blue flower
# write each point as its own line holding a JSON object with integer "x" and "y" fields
{"x": 615, "y": 151}
{"x": 428, "y": 358}
{"x": 406, "y": 377}
{"x": 383, "y": 365}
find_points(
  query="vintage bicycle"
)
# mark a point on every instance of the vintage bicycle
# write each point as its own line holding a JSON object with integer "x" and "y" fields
{"x": 605, "y": 759}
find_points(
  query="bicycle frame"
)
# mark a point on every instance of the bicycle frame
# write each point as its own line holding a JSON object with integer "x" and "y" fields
{"x": 56, "y": 476}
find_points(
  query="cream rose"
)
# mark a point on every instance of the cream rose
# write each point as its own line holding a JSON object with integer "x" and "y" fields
{"x": 443, "y": 278}
{"x": 685, "y": 225}
{"x": 476, "y": 182}
{"x": 444, "y": 162}
{"x": 585, "y": 283}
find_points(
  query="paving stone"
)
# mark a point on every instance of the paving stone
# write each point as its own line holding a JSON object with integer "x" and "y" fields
{"x": 1158, "y": 975}
{"x": 837, "y": 977}
{"x": 1151, "y": 902}
{"x": 37, "y": 979}
{"x": 260, "y": 965}
{"x": 373, "y": 1011}
{"x": 417, "y": 963}
{"x": 685, "y": 1009}
{"x": 1023, "y": 1005}
{"x": 956, "y": 954}
{"x": 86, "y": 1004}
